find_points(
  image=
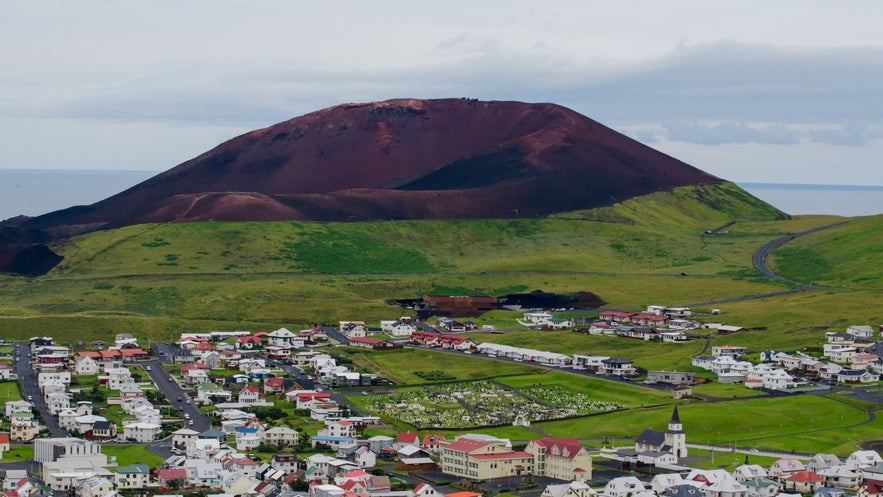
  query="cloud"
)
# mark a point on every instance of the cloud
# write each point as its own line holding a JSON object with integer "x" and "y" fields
{"x": 841, "y": 135}
{"x": 730, "y": 132}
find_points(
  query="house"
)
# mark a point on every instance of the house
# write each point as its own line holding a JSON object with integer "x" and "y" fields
{"x": 662, "y": 482}
{"x": 762, "y": 487}
{"x": 102, "y": 430}
{"x": 862, "y": 459}
{"x": 141, "y": 432}
{"x": 273, "y": 386}
{"x": 747, "y": 472}
{"x": 285, "y": 338}
{"x": 803, "y": 482}
{"x": 840, "y": 477}
{"x": 431, "y": 442}
{"x": 484, "y": 459}
{"x": 281, "y": 436}
{"x": 726, "y": 488}
{"x": 617, "y": 367}
{"x": 670, "y": 377}
{"x": 132, "y": 477}
{"x": 23, "y": 430}
{"x": 733, "y": 351}
{"x": 819, "y": 462}
{"x": 406, "y": 438}
{"x": 402, "y": 327}
{"x": 560, "y": 458}
{"x": 785, "y": 467}
{"x": 412, "y": 458}
{"x": 171, "y": 477}
{"x": 572, "y": 489}
{"x": 94, "y": 486}
{"x": 857, "y": 376}
{"x": 623, "y": 486}
{"x": 183, "y": 437}
{"x": 249, "y": 395}
{"x": 86, "y": 363}
{"x": 285, "y": 462}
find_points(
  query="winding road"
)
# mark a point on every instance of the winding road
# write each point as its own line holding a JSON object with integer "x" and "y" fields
{"x": 759, "y": 260}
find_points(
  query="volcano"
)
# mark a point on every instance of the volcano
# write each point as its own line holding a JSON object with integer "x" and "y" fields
{"x": 397, "y": 159}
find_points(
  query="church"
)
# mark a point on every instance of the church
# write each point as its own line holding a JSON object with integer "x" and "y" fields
{"x": 672, "y": 441}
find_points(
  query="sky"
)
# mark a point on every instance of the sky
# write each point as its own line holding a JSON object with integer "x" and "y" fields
{"x": 785, "y": 91}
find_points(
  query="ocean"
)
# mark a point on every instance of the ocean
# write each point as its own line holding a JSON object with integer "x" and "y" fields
{"x": 35, "y": 192}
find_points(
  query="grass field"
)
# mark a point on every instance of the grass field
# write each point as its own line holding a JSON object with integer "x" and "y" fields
{"x": 132, "y": 454}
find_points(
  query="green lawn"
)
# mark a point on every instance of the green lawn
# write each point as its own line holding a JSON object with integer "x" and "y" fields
{"x": 131, "y": 454}
{"x": 9, "y": 391}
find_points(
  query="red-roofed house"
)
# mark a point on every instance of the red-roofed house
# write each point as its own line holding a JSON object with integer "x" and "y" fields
{"x": 804, "y": 482}
{"x": 649, "y": 319}
{"x": 484, "y": 459}
{"x": 406, "y": 438}
{"x": 130, "y": 355}
{"x": 615, "y": 316}
{"x": 560, "y": 458}
{"x": 273, "y": 385}
{"x": 248, "y": 342}
{"x": 165, "y": 477}
{"x": 432, "y": 443}
{"x": 249, "y": 394}
{"x": 4, "y": 442}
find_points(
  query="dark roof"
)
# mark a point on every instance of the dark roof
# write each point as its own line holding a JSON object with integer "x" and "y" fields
{"x": 101, "y": 425}
{"x": 674, "y": 416}
{"x": 651, "y": 437}
{"x": 683, "y": 490}
{"x": 213, "y": 434}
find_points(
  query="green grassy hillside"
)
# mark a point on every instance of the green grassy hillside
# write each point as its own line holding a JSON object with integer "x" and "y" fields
{"x": 845, "y": 256}
{"x": 158, "y": 279}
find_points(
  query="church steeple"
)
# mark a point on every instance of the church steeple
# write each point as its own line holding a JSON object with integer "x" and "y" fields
{"x": 675, "y": 436}
{"x": 675, "y": 424}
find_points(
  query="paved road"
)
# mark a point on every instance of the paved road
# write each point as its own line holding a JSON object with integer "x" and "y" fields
{"x": 173, "y": 391}
{"x": 759, "y": 260}
{"x": 27, "y": 379}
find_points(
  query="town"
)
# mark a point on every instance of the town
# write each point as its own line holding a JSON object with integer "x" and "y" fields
{"x": 281, "y": 414}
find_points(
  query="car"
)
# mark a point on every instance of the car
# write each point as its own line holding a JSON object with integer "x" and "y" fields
{"x": 180, "y": 399}
{"x": 190, "y": 422}
{"x": 147, "y": 368}
{"x": 30, "y": 397}
{"x": 186, "y": 415}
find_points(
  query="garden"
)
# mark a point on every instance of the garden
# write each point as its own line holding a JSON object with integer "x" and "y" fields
{"x": 483, "y": 403}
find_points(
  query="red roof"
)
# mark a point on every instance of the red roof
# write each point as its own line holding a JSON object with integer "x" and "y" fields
{"x": 196, "y": 365}
{"x": 250, "y": 389}
{"x": 93, "y": 355}
{"x": 303, "y": 397}
{"x": 132, "y": 352}
{"x": 111, "y": 353}
{"x": 276, "y": 381}
{"x": 249, "y": 339}
{"x": 430, "y": 439}
{"x": 4, "y": 438}
{"x": 407, "y": 437}
{"x": 465, "y": 445}
{"x": 571, "y": 445}
{"x": 172, "y": 474}
{"x": 648, "y": 317}
{"x": 805, "y": 476}
{"x": 505, "y": 455}
{"x": 369, "y": 341}
{"x": 616, "y": 314}
{"x": 203, "y": 346}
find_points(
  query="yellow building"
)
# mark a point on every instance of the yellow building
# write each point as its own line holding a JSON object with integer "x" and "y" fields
{"x": 484, "y": 459}
{"x": 560, "y": 458}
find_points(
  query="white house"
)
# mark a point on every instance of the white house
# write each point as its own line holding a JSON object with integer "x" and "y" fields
{"x": 402, "y": 327}
{"x": 141, "y": 432}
